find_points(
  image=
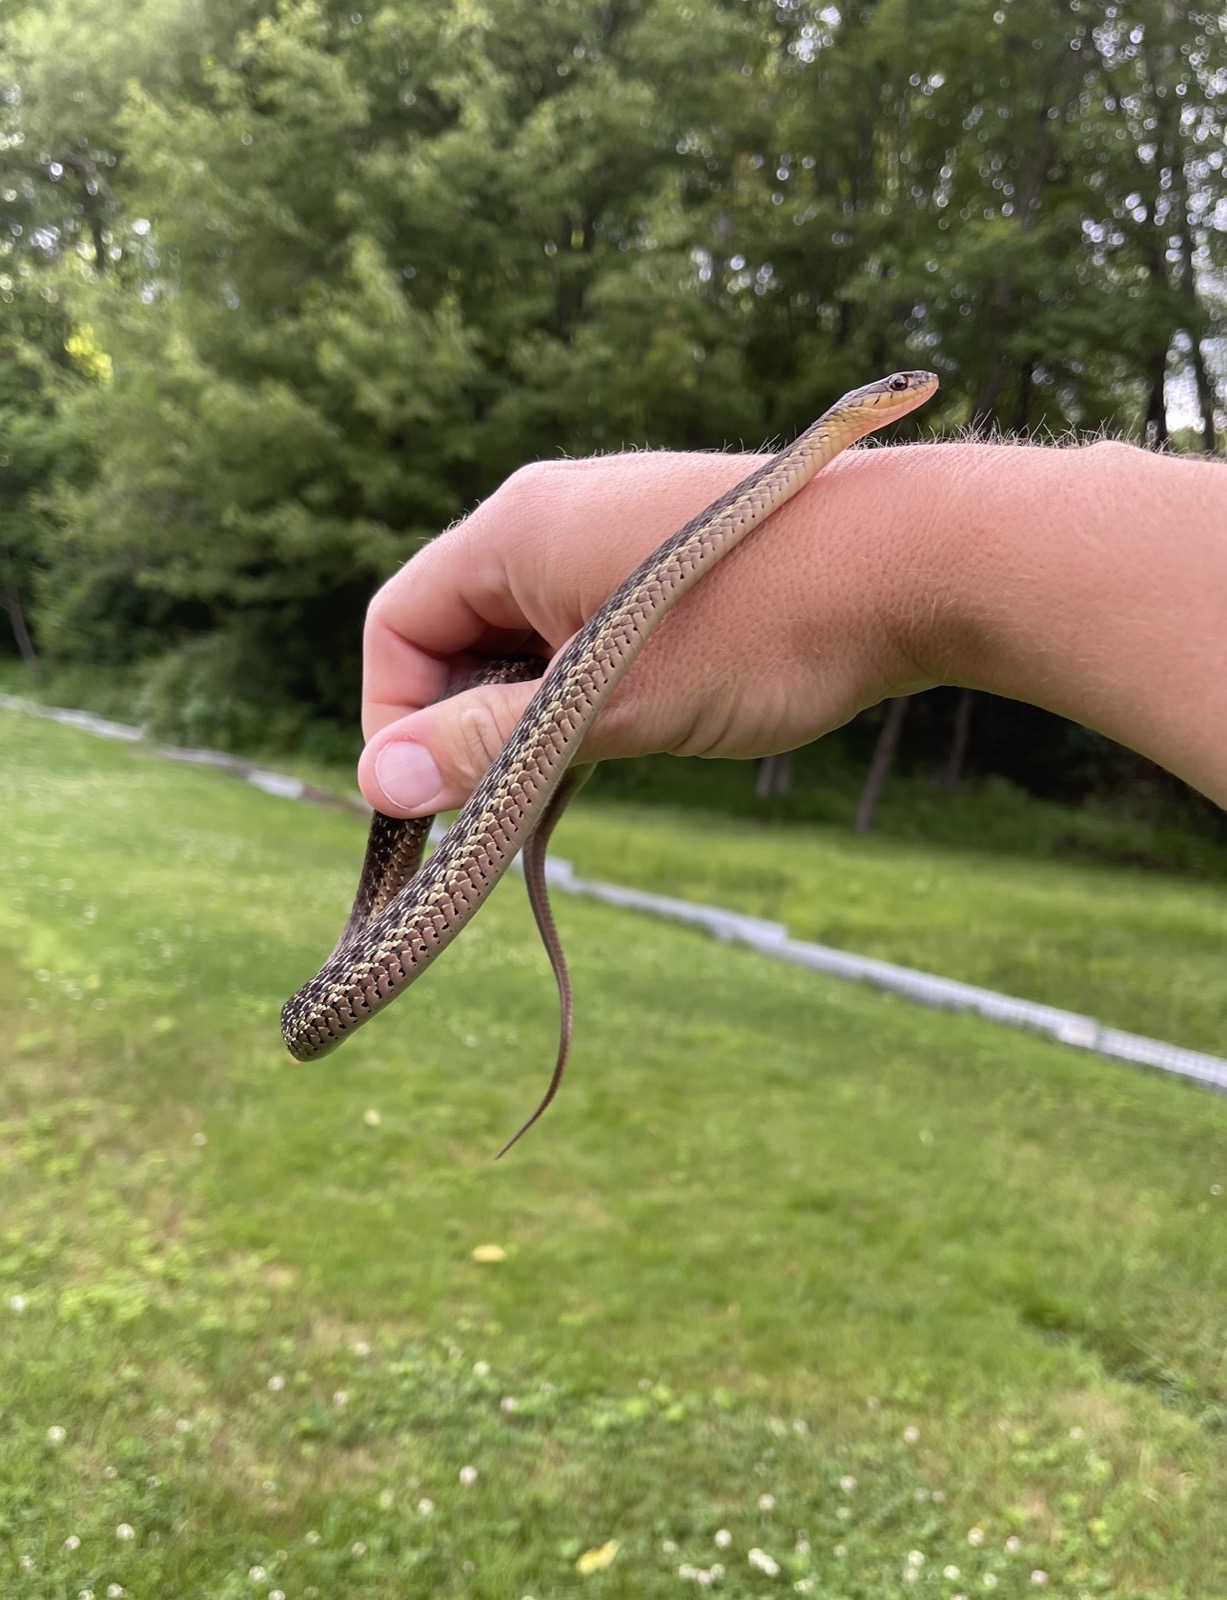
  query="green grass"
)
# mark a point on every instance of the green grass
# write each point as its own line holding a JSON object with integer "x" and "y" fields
{"x": 1139, "y": 950}
{"x": 777, "y": 1235}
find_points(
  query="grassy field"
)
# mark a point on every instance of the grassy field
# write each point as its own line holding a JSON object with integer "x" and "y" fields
{"x": 800, "y": 1290}
{"x": 1142, "y": 951}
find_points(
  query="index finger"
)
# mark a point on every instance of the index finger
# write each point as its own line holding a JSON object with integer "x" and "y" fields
{"x": 526, "y": 569}
{"x": 432, "y": 622}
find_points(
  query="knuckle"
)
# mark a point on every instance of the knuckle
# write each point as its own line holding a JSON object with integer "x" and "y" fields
{"x": 479, "y": 738}
{"x": 530, "y": 489}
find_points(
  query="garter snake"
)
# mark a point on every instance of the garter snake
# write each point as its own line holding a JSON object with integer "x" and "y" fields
{"x": 407, "y": 912}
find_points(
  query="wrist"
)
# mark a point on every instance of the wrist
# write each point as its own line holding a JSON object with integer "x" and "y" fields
{"x": 1091, "y": 581}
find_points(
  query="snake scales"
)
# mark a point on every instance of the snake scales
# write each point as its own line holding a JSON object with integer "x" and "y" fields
{"x": 407, "y": 912}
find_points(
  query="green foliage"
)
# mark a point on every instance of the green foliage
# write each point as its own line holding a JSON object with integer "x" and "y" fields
{"x": 840, "y": 1277}
{"x": 335, "y": 273}
{"x": 1060, "y": 928}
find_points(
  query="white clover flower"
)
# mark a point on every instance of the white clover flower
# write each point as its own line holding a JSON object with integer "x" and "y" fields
{"x": 1077, "y": 1433}
{"x": 841, "y": 1550}
{"x": 468, "y": 1476}
{"x": 910, "y": 1574}
{"x": 311, "y": 1537}
{"x": 508, "y": 1403}
{"x": 766, "y": 1502}
{"x": 27, "y": 1563}
{"x": 183, "y": 1425}
{"x": 276, "y": 1594}
{"x": 802, "y": 1546}
{"x": 125, "y": 1531}
{"x": 426, "y": 1508}
{"x": 17, "y": 1303}
{"x": 372, "y": 1118}
{"x": 668, "y": 1547}
{"x": 340, "y": 1397}
{"x": 990, "y": 1580}
{"x": 276, "y": 1383}
{"x": 268, "y": 1486}
{"x": 975, "y": 1537}
{"x": 910, "y": 1435}
{"x": 110, "y": 1472}
{"x": 481, "y": 1369}
{"x": 85, "y": 1594}
{"x": 115, "y": 1591}
{"x": 56, "y": 1435}
{"x": 199, "y": 1139}
{"x": 803, "y": 1585}
{"x": 723, "y": 1538}
{"x": 257, "y": 1574}
{"x": 760, "y": 1560}
{"x": 843, "y": 1513}
{"x": 386, "y": 1499}
{"x": 1039, "y": 1577}
{"x": 847, "y": 1483}
{"x": 361, "y": 1348}
{"x": 357, "y": 1548}
{"x": 950, "y": 1572}
{"x": 72, "y": 1542}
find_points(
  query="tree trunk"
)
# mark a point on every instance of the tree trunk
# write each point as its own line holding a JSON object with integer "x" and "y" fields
{"x": 12, "y": 604}
{"x": 952, "y": 778}
{"x": 883, "y": 760}
{"x": 1205, "y": 398}
{"x": 774, "y": 779}
{"x": 1156, "y": 403}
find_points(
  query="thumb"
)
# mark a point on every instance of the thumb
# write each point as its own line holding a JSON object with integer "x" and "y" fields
{"x": 433, "y": 759}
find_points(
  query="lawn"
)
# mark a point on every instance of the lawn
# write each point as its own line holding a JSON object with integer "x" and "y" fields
{"x": 800, "y": 1289}
{"x": 1139, "y": 950}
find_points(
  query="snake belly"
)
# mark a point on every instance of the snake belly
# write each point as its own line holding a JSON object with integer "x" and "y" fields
{"x": 395, "y": 937}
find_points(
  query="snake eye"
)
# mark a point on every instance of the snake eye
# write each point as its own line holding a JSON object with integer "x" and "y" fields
{"x": 898, "y": 382}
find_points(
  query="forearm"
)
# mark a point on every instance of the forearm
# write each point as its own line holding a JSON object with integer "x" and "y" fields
{"x": 1093, "y": 582}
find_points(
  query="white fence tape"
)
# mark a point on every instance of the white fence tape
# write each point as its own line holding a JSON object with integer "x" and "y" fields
{"x": 769, "y": 938}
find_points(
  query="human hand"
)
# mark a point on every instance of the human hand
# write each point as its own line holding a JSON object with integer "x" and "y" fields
{"x": 1091, "y": 581}
{"x": 793, "y": 633}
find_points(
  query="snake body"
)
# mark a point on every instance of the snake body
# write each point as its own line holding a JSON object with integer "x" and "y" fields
{"x": 407, "y": 912}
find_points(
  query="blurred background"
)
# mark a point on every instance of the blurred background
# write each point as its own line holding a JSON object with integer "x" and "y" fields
{"x": 798, "y": 1289}
{"x": 285, "y": 289}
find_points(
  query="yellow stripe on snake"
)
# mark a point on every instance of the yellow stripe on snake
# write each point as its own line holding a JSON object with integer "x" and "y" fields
{"x": 407, "y": 912}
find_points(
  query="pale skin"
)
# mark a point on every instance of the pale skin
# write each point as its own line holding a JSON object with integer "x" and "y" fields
{"x": 1091, "y": 581}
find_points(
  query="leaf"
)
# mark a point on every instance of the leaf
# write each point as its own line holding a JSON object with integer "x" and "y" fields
{"x": 488, "y": 1252}
{"x": 597, "y": 1560}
